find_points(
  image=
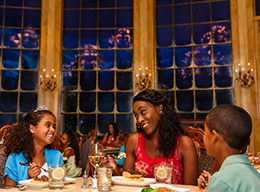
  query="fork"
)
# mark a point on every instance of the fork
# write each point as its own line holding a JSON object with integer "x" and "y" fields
{"x": 27, "y": 164}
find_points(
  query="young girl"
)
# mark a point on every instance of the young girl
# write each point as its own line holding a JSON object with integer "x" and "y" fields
{"x": 29, "y": 144}
{"x": 71, "y": 152}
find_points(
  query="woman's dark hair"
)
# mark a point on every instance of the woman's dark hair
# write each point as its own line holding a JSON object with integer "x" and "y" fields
{"x": 74, "y": 145}
{"x": 21, "y": 139}
{"x": 169, "y": 124}
{"x": 115, "y": 132}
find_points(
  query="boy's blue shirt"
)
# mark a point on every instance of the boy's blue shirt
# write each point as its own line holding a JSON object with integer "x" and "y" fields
{"x": 122, "y": 150}
{"x": 236, "y": 174}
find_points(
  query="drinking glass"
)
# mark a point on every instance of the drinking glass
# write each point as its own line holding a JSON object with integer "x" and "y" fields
{"x": 96, "y": 158}
{"x": 163, "y": 173}
{"x": 57, "y": 174}
{"x": 104, "y": 178}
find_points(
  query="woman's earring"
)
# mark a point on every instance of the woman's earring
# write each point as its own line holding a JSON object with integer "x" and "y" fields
{"x": 161, "y": 113}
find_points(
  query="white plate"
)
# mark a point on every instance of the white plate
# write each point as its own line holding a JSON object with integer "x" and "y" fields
{"x": 155, "y": 186}
{"x": 42, "y": 185}
{"x": 147, "y": 181}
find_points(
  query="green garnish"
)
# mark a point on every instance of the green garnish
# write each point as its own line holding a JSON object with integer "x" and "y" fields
{"x": 133, "y": 171}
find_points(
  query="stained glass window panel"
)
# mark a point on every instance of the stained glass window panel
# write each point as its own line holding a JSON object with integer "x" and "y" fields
{"x": 124, "y": 59}
{"x": 106, "y": 18}
{"x": 29, "y": 80}
{"x": 106, "y": 80}
{"x": 124, "y": 101}
{"x": 86, "y": 123}
{"x": 11, "y": 58}
{"x": 106, "y": 38}
{"x": 70, "y": 39}
{"x": 28, "y": 101}
{"x": 88, "y": 59}
{"x": 12, "y": 38}
{"x": 164, "y": 58}
{"x": 185, "y": 101}
{"x": 199, "y": 15}
{"x": 13, "y": 17}
{"x": 182, "y": 14}
{"x": 225, "y": 96}
{"x": 183, "y": 35}
{"x": 10, "y": 80}
{"x": 88, "y": 80}
{"x": 121, "y": 120}
{"x": 222, "y": 54}
{"x": 124, "y": 38}
{"x": 162, "y": 18}
{"x": 89, "y": 23}
{"x": 223, "y": 76}
{"x": 124, "y": 80}
{"x": 165, "y": 79}
{"x": 70, "y": 59}
{"x": 30, "y": 59}
{"x": 32, "y": 18}
{"x": 221, "y": 32}
{"x": 69, "y": 101}
{"x": 8, "y": 101}
{"x": 103, "y": 121}
{"x": 204, "y": 100}
{"x": 183, "y": 57}
{"x": 124, "y": 18}
{"x": 87, "y": 102}
{"x": 201, "y": 33}
{"x": 89, "y": 39}
{"x": 184, "y": 78}
{"x": 31, "y": 38}
{"x": 164, "y": 36}
{"x": 72, "y": 19}
{"x": 70, "y": 80}
{"x": 203, "y": 77}
{"x": 220, "y": 10}
{"x": 202, "y": 56}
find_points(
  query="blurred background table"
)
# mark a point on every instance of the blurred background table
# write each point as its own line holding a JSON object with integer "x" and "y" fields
{"x": 111, "y": 150}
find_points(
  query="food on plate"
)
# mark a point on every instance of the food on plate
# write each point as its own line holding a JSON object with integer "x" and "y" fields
{"x": 44, "y": 179}
{"x": 149, "y": 189}
{"x": 160, "y": 189}
{"x": 132, "y": 176}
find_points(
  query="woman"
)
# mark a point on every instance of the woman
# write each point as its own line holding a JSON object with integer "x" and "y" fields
{"x": 160, "y": 139}
{"x": 111, "y": 135}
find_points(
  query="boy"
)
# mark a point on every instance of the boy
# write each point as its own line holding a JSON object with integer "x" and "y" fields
{"x": 227, "y": 130}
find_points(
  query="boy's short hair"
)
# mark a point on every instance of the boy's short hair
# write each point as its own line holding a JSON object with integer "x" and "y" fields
{"x": 232, "y": 122}
{"x": 123, "y": 136}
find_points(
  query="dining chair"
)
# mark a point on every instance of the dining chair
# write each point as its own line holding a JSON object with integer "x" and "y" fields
{"x": 2, "y": 165}
{"x": 57, "y": 144}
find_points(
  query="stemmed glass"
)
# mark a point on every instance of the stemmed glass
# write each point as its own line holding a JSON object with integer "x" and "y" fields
{"x": 96, "y": 158}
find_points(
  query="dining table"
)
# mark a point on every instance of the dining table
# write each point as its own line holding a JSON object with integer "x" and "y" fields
{"x": 76, "y": 187}
{"x": 111, "y": 150}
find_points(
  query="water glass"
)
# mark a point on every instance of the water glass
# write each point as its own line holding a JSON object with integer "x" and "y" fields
{"x": 57, "y": 174}
{"x": 104, "y": 178}
{"x": 163, "y": 173}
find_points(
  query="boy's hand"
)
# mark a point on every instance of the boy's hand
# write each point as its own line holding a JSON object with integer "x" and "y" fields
{"x": 203, "y": 181}
{"x": 33, "y": 170}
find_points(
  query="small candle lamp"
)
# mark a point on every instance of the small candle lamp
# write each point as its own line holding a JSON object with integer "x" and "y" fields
{"x": 104, "y": 178}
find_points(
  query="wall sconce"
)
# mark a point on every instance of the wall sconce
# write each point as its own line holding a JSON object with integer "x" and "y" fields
{"x": 48, "y": 83}
{"x": 245, "y": 78}
{"x": 143, "y": 80}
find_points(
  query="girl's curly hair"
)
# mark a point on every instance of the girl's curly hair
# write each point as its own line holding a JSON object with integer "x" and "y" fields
{"x": 21, "y": 139}
{"x": 74, "y": 145}
{"x": 115, "y": 132}
{"x": 169, "y": 124}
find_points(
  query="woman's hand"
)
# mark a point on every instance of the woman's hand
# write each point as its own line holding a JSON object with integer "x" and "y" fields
{"x": 34, "y": 170}
{"x": 110, "y": 161}
{"x": 203, "y": 181}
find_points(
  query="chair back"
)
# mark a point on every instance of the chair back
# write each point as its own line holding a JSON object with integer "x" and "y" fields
{"x": 196, "y": 134}
{"x": 57, "y": 144}
{"x": 4, "y": 133}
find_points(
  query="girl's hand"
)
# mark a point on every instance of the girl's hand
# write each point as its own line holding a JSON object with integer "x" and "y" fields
{"x": 110, "y": 161}
{"x": 33, "y": 170}
{"x": 203, "y": 181}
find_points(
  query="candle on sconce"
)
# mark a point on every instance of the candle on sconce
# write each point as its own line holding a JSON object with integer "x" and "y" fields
{"x": 52, "y": 72}
{"x": 236, "y": 73}
{"x": 252, "y": 72}
{"x": 150, "y": 76}
{"x": 249, "y": 67}
{"x": 54, "y": 78}
{"x": 243, "y": 71}
{"x": 140, "y": 71}
{"x": 146, "y": 70}
{"x": 239, "y": 67}
{"x": 47, "y": 76}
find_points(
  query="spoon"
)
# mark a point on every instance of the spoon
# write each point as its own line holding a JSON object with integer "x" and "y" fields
{"x": 20, "y": 187}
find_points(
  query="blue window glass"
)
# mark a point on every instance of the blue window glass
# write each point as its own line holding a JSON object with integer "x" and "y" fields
{"x": 28, "y": 101}
{"x": 106, "y": 59}
{"x": 124, "y": 80}
{"x": 124, "y": 59}
{"x": 106, "y": 38}
{"x": 71, "y": 19}
{"x": 183, "y": 35}
{"x": 124, "y": 101}
{"x": 12, "y": 38}
{"x": 87, "y": 123}
{"x": 1, "y": 16}
{"x": 69, "y": 101}
{"x": 106, "y": 3}
{"x": 183, "y": 57}
{"x": 181, "y": 1}
{"x": 30, "y": 59}
{"x": 124, "y": 38}
{"x": 201, "y": 34}
{"x": 182, "y": 14}
{"x": 89, "y": 4}
{"x": 87, "y": 102}
{"x": 1, "y": 2}
{"x": 16, "y": 3}
{"x": 223, "y": 76}
{"x": 106, "y": 18}
{"x": 11, "y": 58}
{"x": 71, "y": 4}
{"x": 89, "y": 39}
{"x": 184, "y": 101}
{"x": 69, "y": 122}
{"x": 221, "y": 32}
{"x": 204, "y": 100}
{"x": 165, "y": 79}
{"x": 124, "y": 18}
{"x": 8, "y": 101}
{"x": 29, "y": 80}
{"x": 6, "y": 119}
{"x": 121, "y": 120}
{"x": 70, "y": 39}
{"x": 70, "y": 80}
{"x": 199, "y": 15}
{"x": 222, "y": 7}
{"x": 222, "y": 54}
{"x": 13, "y": 17}
{"x": 202, "y": 56}
{"x": 164, "y": 36}
{"x": 164, "y": 58}
{"x": 31, "y": 38}
{"x": 186, "y": 115}
{"x": 162, "y": 18}
{"x": 169, "y": 95}
{"x": 225, "y": 96}
{"x": 103, "y": 121}
{"x": 89, "y": 23}
{"x": 203, "y": 77}
{"x": 10, "y": 80}
{"x": 201, "y": 115}
{"x": 124, "y": 3}
{"x": 33, "y": 3}
{"x": 163, "y": 2}
{"x": 106, "y": 80}
{"x": 88, "y": 59}
{"x": 184, "y": 78}
{"x": 257, "y": 7}
{"x": 70, "y": 59}
{"x": 106, "y": 101}
{"x": 32, "y": 18}
{"x": 88, "y": 80}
